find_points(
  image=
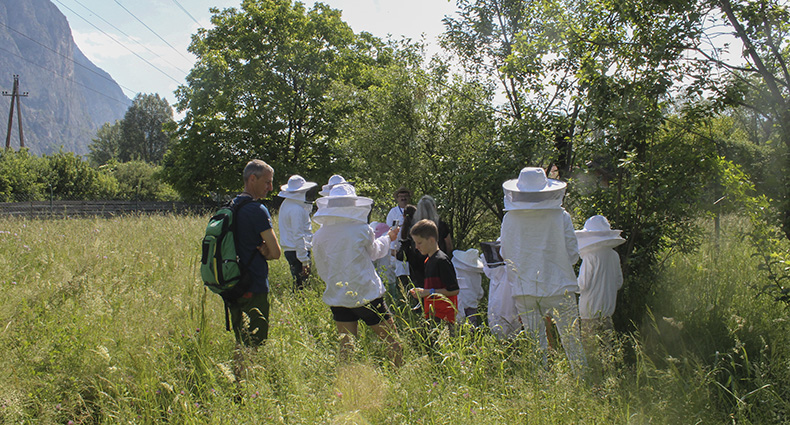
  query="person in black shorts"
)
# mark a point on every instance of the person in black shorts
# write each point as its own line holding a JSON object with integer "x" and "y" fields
{"x": 344, "y": 249}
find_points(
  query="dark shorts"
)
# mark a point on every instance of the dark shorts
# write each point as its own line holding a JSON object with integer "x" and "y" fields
{"x": 371, "y": 313}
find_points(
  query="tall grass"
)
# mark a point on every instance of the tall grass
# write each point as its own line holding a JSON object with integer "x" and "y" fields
{"x": 709, "y": 316}
{"x": 106, "y": 321}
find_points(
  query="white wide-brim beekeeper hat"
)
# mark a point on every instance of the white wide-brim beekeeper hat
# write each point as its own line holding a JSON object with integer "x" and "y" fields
{"x": 296, "y": 188}
{"x": 333, "y": 181}
{"x": 532, "y": 190}
{"x": 597, "y": 233}
{"x": 343, "y": 202}
{"x": 468, "y": 260}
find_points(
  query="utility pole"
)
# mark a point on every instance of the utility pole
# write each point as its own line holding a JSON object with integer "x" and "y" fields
{"x": 15, "y": 95}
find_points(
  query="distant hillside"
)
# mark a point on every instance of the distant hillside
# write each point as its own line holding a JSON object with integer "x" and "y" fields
{"x": 69, "y": 97}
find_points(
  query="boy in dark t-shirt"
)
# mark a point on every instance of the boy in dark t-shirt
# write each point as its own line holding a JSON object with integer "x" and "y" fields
{"x": 440, "y": 291}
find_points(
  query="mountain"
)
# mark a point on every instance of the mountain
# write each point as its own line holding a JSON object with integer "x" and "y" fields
{"x": 69, "y": 97}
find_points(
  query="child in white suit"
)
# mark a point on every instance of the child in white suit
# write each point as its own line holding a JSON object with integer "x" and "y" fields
{"x": 600, "y": 275}
{"x": 469, "y": 272}
{"x": 345, "y": 248}
{"x": 502, "y": 314}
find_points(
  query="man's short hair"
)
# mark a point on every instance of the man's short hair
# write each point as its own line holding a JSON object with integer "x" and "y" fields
{"x": 425, "y": 229}
{"x": 258, "y": 168}
{"x": 400, "y": 190}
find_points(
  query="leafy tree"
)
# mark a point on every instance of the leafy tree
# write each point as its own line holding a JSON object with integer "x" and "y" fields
{"x": 20, "y": 174}
{"x": 759, "y": 84}
{"x": 462, "y": 127}
{"x": 143, "y": 132}
{"x": 69, "y": 177}
{"x": 106, "y": 145}
{"x": 419, "y": 126}
{"x": 378, "y": 136}
{"x": 526, "y": 48}
{"x": 483, "y": 36}
{"x": 259, "y": 89}
{"x": 140, "y": 180}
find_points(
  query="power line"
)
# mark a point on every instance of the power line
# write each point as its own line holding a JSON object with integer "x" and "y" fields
{"x": 185, "y": 11}
{"x": 69, "y": 58}
{"x": 64, "y": 77}
{"x": 149, "y": 29}
{"x": 131, "y": 38}
{"x": 121, "y": 44}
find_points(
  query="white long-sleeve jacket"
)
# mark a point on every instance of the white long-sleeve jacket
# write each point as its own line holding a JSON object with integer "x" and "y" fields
{"x": 395, "y": 217}
{"x": 469, "y": 285}
{"x": 344, "y": 251}
{"x": 600, "y": 277}
{"x": 296, "y": 232}
{"x": 541, "y": 247}
{"x": 502, "y": 312}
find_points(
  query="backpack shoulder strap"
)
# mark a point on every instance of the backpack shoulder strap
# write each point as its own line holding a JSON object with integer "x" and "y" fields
{"x": 235, "y": 207}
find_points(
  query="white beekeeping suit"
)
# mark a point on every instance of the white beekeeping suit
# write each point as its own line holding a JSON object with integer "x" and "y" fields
{"x": 345, "y": 248}
{"x": 600, "y": 275}
{"x": 539, "y": 243}
{"x": 502, "y": 314}
{"x": 469, "y": 273}
{"x": 296, "y": 232}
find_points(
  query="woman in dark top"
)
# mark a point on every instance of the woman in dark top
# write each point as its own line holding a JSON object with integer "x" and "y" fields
{"x": 426, "y": 209}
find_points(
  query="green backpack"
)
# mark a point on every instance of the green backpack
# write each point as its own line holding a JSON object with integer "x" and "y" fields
{"x": 220, "y": 267}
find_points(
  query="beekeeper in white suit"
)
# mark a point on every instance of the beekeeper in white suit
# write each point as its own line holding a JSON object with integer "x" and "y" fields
{"x": 539, "y": 243}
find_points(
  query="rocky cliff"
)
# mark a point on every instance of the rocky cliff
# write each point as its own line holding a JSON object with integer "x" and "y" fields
{"x": 68, "y": 96}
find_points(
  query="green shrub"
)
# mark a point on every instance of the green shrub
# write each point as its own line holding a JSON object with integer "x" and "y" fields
{"x": 70, "y": 177}
{"x": 139, "y": 180}
{"x": 21, "y": 173}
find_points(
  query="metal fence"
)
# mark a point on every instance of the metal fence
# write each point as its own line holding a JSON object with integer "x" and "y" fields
{"x": 108, "y": 208}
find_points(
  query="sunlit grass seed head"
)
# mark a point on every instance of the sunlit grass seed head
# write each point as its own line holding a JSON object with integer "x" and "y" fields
{"x": 360, "y": 387}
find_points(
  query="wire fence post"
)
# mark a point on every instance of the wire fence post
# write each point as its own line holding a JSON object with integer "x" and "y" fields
{"x": 717, "y": 220}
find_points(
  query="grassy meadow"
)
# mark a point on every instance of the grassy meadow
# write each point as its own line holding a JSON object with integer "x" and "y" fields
{"x": 106, "y": 321}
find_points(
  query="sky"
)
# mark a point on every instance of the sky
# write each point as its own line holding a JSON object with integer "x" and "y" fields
{"x": 143, "y": 44}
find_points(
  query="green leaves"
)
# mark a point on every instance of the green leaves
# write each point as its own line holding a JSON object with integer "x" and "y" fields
{"x": 20, "y": 173}
{"x": 260, "y": 89}
{"x": 106, "y": 144}
{"x": 143, "y": 135}
{"x": 69, "y": 177}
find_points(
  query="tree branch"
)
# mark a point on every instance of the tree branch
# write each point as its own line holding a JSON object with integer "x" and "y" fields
{"x": 722, "y": 63}
{"x": 770, "y": 79}
{"x": 775, "y": 51}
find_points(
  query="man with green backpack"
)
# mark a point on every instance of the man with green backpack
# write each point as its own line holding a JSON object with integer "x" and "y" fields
{"x": 256, "y": 243}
